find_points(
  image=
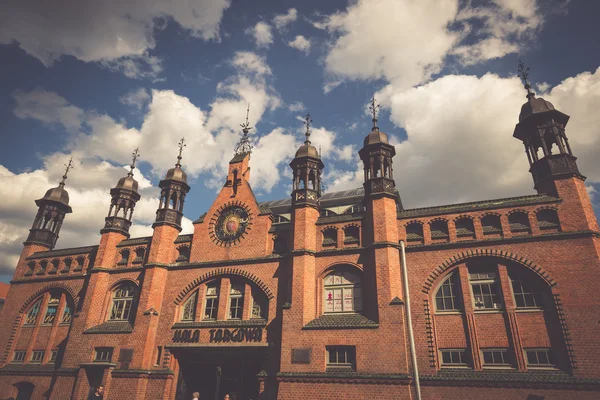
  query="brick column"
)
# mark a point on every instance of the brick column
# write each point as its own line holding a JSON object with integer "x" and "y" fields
{"x": 514, "y": 334}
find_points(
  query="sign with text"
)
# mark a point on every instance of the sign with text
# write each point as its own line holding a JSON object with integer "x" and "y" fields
{"x": 221, "y": 335}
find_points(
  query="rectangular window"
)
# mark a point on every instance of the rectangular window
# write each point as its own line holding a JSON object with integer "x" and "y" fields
{"x": 539, "y": 358}
{"x": 121, "y": 309}
{"x": 53, "y": 355}
{"x": 236, "y": 302}
{"x": 18, "y": 356}
{"x": 453, "y": 357}
{"x": 212, "y": 302}
{"x": 526, "y": 295}
{"x": 484, "y": 286}
{"x": 496, "y": 358}
{"x": 37, "y": 356}
{"x": 341, "y": 357}
{"x": 103, "y": 354}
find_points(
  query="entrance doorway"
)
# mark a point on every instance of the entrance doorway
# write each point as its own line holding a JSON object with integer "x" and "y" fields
{"x": 217, "y": 372}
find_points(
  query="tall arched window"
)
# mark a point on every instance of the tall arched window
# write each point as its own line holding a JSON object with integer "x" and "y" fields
{"x": 447, "y": 298}
{"x": 33, "y": 313}
{"x": 123, "y": 301}
{"x": 189, "y": 308}
{"x": 342, "y": 292}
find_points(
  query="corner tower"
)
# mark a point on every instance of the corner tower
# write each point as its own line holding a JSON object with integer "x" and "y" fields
{"x": 306, "y": 191}
{"x": 553, "y": 166}
{"x": 52, "y": 209}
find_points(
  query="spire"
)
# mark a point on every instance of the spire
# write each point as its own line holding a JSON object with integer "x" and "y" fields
{"x": 523, "y": 73}
{"x": 307, "y": 122}
{"x": 181, "y": 146}
{"x": 244, "y": 146}
{"x": 135, "y": 154}
{"x": 68, "y": 166}
{"x": 374, "y": 108}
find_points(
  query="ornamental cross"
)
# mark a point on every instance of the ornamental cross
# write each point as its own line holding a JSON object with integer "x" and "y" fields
{"x": 523, "y": 73}
{"x": 181, "y": 146}
{"x": 135, "y": 154}
{"x": 307, "y": 122}
{"x": 374, "y": 108}
{"x": 68, "y": 167}
{"x": 244, "y": 146}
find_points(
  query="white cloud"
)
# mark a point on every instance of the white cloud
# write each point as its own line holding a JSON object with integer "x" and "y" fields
{"x": 48, "y": 107}
{"x": 137, "y": 98}
{"x": 262, "y": 34}
{"x": 281, "y": 21}
{"x": 116, "y": 33}
{"x": 301, "y": 43}
{"x": 422, "y": 34}
{"x": 248, "y": 62}
{"x": 296, "y": 106}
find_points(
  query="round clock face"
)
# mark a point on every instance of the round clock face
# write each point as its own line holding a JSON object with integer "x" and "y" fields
{"x": 231, "y": 224}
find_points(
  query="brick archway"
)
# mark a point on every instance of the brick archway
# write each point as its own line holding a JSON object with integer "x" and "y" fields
{"x": 466, "y": 255}
{"x": 219, "y": 272}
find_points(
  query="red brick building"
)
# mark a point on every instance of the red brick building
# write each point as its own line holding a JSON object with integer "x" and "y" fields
{"x": 304, "y": 298}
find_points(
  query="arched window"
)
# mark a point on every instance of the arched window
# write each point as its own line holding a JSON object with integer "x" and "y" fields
{"x": 236, "y": 300}
{"x": 491, "y": 225}
{"x": 342, "y": 292}
{"x": 351, "y": 234}
{"x": 124, "y": 257}
{"x": 140, "y": 252}
{"x": 67, "y": 315}
{"x": 414, "y": 232}
{"x": 464, "y": 228}
{"x": 526, "y": 289}
{"x": 51, "y": 309}
{"x": 485, "y": 287}
{"x": 33, "y": 313}
{"x": 439, "y": 229}
{"x": 329, "y": 237}
{"x": 189, "y": 308}
{"x": 211, "y": 303}
{"x": 519, "y": 222}
{"x": 548, "y": 220}
{"x": 184, "y": 253}
{"x": 447, "y": 298}
{"x": 122, "y": 304}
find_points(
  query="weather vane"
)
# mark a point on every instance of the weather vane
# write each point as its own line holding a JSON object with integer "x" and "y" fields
{"x": 69, "y": 167}
{"x": 181, "y": 146}
{"x": 135, "y": 154}
{"x": 524, "y": 75}
{"x": 246, "y": 125}
{"x": 307, "y": 122}
{"x": 244, "y": 146}
{"x": 374, "y": 108}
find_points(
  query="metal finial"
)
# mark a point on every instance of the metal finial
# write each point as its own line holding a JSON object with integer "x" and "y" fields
{"x": 246, "y": 125}
{"x": 523, "y": 73}
{"x": 244, "y": 146}
{"x": 307, "y": 122}
{"x": 181, "y": 146}
{"x": 68, "y": 167}
{"x": 135, "y": 154}
{"x": 374, "y": 108}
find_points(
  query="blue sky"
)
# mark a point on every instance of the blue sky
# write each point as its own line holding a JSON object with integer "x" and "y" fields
{"x": 95, "y": 81}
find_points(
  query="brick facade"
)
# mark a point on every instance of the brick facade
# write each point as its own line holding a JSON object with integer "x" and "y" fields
{"x": 304, "y": 298}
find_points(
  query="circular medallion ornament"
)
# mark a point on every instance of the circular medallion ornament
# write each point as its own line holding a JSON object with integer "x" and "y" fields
{"x": 230, "y": 224}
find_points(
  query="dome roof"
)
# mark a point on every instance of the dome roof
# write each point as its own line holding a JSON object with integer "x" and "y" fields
{"x": 535, "y": 106}
{"x": 376, "y": 136}
{"x": 58, "y": 194}
{"x": 176, "y": 174}
{"x": 128, "y": 183}
{"x": 307, "y": 150}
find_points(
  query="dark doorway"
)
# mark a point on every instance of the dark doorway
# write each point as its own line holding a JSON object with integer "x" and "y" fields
{"x": 216, "y": 372}
{"x": 25, "y": 390}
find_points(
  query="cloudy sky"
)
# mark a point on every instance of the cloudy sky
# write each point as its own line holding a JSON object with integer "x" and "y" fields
{"x": 96, "y": 79}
